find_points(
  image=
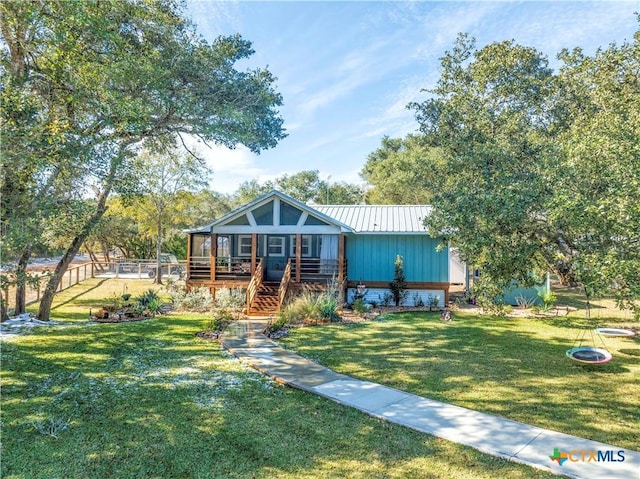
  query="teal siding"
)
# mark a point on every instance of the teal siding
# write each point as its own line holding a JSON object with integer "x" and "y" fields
{"x": 371, "y": 258}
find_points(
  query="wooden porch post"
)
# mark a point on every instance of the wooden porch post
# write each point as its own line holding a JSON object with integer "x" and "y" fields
{"x": 340, "y": 258}
{"x": 298, "y": 256}
{"x": 254, "y": 252}
{"x": 214, "y": 254}
{"x": 189, "y": 238}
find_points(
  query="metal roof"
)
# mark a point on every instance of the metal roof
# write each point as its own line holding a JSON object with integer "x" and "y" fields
{"x": 379, "y": 218}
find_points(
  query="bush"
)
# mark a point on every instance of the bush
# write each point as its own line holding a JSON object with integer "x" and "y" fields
{"x": 277, "y": 324}
{"x": 220, "y": 321}
{"x": 360, "y": 307}
{"x": 398, "y": 286}
{"x": 548, "y": 298}
{"x": 418, "y": 302}
{"x": 302, "y": 308}
{"x": 146, "y": 298}
{"x": 233, "y": 300}
{"x": 199, "y": 300}
{"x": 328, "y": 307}
{"x": 385, "y": 299}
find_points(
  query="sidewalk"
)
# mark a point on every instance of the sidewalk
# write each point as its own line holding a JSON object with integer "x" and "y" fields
{"x": 581, "y": 458}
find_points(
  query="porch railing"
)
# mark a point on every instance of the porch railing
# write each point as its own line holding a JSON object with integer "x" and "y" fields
{"x": 284, "y": 285}
{"x": 235, "y": 265}
{"x": 200, "y": 267}
{"x": 318, "y": 269}
{"x": 254, "y": 284}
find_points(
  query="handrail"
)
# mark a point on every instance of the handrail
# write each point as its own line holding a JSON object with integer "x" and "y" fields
{"x": 254, "y": 284}
{"x": 284, "y": 284}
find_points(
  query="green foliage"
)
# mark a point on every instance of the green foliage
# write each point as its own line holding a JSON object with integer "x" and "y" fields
{"x": 89, "y": 84}
{"x": 147, "y": 298}
{"x": 360, "y": 307}
{"x": 219, "y": 321}
{"x": 401, "y": 172}
{"x": 304, "y": 186}
{"x": 385, "y": 298}
{"x": 198, "y": 299}
{"x": 539, "y": 170}
{"x": 328, "y": 308}
{"x": 398, "y": 286}
{"x": 418, "y": 302}
{"x": 278, "y": 323}
{"x": 113, "y": 303}
{"x": 231, "y": 298}
{"x": 524, "y": 302}
{"x": 548, "y": 299}
{"x": 302, "y": 308}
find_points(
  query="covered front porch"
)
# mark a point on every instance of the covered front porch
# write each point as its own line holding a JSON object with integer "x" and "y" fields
{"x": 235, "y": 258}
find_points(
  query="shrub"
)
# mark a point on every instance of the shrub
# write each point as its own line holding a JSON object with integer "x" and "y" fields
{"x": 434, "y": 301}
{"x": 418, "y": 302}
{"x": 198, "y": 300}
{"x": 548, "y": 298}
{"x": 113, "y": 303}
{"x": 218, "y": 322}
{"x": 385, "y": 299}
{"x": 524, "y": 302}
{"x": 398, "y": 286}
{"x": 234, "y": 299}
{"x": 147, "y": 297}
{"x": 277, "y": 324}
{"x": 360, "y": 307}
{"x": 303, "y": 307}
{"x": 327, "y": 307}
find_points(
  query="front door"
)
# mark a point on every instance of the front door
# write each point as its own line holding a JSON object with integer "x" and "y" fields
{"x": 276, "y": 257}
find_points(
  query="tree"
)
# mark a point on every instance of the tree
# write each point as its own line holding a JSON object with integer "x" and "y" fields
{"x": 597, "y": 204}
{"x": 305, "y": 186}
{"x": 106, "y": 78}
{"x": 541, "y": 170}
{"x": 162, "y": 178}
{"x": 398, "y": 286}
{"x": 401, "y": 172}
{"x": 490, "y": 117}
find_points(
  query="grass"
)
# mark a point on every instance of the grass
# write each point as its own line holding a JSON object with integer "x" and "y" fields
{"x": 515, "y": 368}
{"x": 149, "y": 399}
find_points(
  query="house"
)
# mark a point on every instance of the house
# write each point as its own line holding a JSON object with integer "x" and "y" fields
{"x": 276, "y": 246}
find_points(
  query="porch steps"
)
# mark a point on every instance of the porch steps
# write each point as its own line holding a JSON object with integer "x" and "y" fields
{"x": 265, "y": 302}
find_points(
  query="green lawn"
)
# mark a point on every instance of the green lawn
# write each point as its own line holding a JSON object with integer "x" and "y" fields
{"x": 515, "y": 368}
{"x": 149, "y": 399}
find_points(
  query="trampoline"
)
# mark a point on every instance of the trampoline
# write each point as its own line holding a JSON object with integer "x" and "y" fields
{"x": 589, "y": 355}
{"x": 615, "y": 332}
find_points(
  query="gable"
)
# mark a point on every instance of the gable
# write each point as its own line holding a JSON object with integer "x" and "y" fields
{"x": 275, "y": 212}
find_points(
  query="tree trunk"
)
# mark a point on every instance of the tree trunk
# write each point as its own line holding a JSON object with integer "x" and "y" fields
{"x": 21, "y": 280}
{"x": 101, "y": 206}
{"x": 4, "y": 315}
{"x": 158, "y": 279}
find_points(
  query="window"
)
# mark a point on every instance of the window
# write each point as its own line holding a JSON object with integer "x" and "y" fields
{"x": 275, "y": 246}
{"x": 244, "y": 245}
{"x": 223, "y": 247}
{"x": 306, "y": 246}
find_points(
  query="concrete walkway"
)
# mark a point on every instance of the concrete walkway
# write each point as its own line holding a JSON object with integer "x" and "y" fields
{"x": 580, "y": 458}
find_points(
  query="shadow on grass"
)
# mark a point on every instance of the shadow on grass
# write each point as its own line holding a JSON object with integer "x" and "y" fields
{"x": 130, "y": 416}
{"x": 74, "y": 299}
{"x": 496, "y": 365}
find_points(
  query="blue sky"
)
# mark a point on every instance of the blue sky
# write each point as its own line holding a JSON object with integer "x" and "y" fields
{"x": 347, "y": 70}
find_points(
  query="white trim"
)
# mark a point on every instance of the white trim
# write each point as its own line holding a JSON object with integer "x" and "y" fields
{"x": 240, "y": 238}
{"x": 251, "y": 219}
{"x": 278, "y": 230}
{"x": 302, "y": 219}
{"x": 276, "y": 212}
